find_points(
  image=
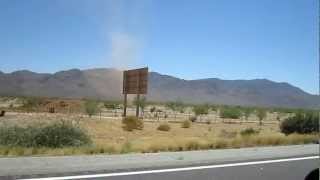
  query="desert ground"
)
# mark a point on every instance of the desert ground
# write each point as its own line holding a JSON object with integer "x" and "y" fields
{"x": 105, "y": 128}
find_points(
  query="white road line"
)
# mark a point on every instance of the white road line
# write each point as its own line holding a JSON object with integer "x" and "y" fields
{"x": 175, "y": 169}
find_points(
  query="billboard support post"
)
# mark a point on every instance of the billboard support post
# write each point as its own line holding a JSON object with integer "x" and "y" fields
{"x": 125, "y": 106}
{"x": 138, "y": 105}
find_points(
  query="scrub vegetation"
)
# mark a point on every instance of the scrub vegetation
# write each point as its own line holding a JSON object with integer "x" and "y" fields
{"x": 164, "y": 127}
{"x": 29, "y": 130}
{"x": 55, "y": 135}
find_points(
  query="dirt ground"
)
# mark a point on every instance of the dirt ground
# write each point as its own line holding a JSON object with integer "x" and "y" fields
{"x": 107, "y": 131}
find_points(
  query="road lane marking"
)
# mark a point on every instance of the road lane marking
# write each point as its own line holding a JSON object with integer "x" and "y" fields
{"x": 175, "y": 169}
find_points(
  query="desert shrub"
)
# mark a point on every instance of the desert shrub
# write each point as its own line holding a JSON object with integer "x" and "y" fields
{"x": 2, "y": 113}
{"x": 153, "y": 109}
{"x": 55, "y": 135}
{"x": 230, "y": 112}
{"x": 18, "y": 136}
{"x": 193, "y": 118}
{"x": 60, "y": 135}
{"x": 164, "y": 127}
{"x": 249, "y": 132}
{"x": 30, "y": 103}
{"x": 186, "y": 124}
{"x": 91, "y": 107}
{"x": 131, "y": 123}
{"x": 301, "y": 123}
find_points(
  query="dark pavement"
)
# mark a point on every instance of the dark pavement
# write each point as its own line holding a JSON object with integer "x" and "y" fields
{"x": 296, "y": 170}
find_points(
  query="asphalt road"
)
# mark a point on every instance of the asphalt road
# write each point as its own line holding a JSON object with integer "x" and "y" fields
{"x": 284, "y": 169}
{"x": 296, "y": 170}
{"x": 282, "y": 162}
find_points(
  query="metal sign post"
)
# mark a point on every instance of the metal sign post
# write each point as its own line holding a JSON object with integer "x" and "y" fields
{"x": 125, "y": 106}
{"x": 138, "y": 106}
{"x": 134, "y": 82}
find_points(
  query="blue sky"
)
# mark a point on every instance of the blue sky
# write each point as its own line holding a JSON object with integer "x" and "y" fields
{"x": 190, "y": 39}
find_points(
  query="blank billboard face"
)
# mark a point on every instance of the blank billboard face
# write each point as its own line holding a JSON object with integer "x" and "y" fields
{"x": 135, "y": 81}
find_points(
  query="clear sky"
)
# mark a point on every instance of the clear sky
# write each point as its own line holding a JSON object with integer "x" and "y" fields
{"x": 190, "y": 39}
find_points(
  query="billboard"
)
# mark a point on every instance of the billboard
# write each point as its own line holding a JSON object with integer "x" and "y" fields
{"x": 135, "y": 81}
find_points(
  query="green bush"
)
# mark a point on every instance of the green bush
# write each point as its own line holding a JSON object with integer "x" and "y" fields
{"x": 230, "y": 112}
{"x": 249, "y": 132}
{"x": 186, "y": 124}
{"x": 55, "y": 135}
{"x": 18, "y": 136}
{"x": 302, "y": 123}
{"x": 30, "y": 103}
{"x": 164, "y": 127}
{"x": 61, "y": 135}
{"x": 91, "y": 107}
{"x": 131, "y": 123}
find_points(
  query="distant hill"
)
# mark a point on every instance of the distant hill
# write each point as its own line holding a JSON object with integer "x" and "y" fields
{"x": 107, "y": 84}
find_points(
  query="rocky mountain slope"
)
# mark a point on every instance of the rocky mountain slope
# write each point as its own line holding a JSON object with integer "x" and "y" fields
{"x": 107, "y": 84}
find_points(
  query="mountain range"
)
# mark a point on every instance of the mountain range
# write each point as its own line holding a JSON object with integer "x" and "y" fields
{"x": 107, "y": 84}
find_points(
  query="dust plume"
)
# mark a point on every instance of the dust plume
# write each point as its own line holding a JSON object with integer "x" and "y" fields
{"x": 126, "y": 32}
{"x": 124, "y": 50}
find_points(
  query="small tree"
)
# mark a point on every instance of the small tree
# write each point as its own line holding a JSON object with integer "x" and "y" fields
{"x": 91, "y": 107}
{"x": 131, "y": 123}
{"x": 230, "y": 112}
{"x": 171, "y": 106}
{"x": 201, "y": 110}
{"x": 31, "y": 103}
{"x": 180, "y": 106}
{"x": 176, "y": 106}
{"x": 302, "y": 123}
{"x": 262, "y": 114}
{"x": 247, "y": 112}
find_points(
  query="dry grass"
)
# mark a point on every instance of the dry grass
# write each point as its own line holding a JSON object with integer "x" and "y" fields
{"x": 167, "y": 144}
{"x": 110, "y": 138}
